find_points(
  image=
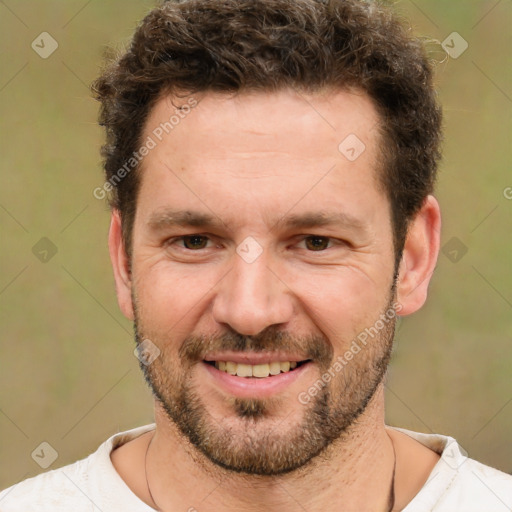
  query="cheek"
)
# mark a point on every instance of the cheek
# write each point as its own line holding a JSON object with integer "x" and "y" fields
{"x": 169, "y": 297}
{"x": 175, "y": 299}
{"x": 341, "y": 303}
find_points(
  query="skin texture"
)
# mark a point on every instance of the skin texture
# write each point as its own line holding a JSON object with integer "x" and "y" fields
{"x": 251, "y": 162}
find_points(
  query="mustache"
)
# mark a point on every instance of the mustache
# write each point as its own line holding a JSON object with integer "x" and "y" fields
{"x": 272, "y": 339}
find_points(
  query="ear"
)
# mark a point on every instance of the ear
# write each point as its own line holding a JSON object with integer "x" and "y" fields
{"x": 419, "y": 257}
{"x": 121, "y": 267}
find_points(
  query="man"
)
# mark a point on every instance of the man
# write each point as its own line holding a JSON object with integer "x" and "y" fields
{"x": 270, "y": 165}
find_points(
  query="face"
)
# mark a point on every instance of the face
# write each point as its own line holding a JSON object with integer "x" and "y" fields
{"x": 260, "y": 248}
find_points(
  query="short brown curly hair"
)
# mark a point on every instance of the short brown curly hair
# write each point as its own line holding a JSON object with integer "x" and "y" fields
{"x": 267, "y": 45}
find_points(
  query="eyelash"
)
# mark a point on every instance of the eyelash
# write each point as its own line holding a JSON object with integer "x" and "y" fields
{"x": 172, "y": 241}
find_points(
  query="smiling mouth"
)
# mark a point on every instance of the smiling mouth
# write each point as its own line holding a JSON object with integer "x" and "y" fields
{"x": 256, "y": 370}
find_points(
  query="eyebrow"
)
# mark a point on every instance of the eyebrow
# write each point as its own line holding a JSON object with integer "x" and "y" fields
{"x": 189, "y": 218}
{"x": 183, "y": 218}
{"x": 321, "y": 219}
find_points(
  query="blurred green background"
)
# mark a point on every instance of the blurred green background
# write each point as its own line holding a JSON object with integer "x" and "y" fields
{"x": 68, "y": 375}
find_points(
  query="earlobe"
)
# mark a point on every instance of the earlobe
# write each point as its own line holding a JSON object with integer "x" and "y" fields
{"x": 419, "y": 257}
{"x": 120, "y": 265}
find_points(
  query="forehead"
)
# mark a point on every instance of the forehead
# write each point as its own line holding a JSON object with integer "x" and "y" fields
{"x": 261, "y": 144}
{"x": 266, "y": 119}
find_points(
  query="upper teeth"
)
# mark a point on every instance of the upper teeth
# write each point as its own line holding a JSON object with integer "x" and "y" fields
{"x": 255, "y": 370}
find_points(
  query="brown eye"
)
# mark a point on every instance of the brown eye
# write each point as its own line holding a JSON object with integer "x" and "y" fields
{"x": 317, "y": 243}
{"x": 195, "y": 241}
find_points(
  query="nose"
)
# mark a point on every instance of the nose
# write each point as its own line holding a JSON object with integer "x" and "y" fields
{"x": 251, "y": 297}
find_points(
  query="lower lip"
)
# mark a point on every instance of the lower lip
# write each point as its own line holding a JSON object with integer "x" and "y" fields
{"x": 255, "y": 387}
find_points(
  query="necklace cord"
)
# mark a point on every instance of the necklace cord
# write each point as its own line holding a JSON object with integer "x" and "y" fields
{"x": 391, "y": 500}
{"x": 146, "y": 473}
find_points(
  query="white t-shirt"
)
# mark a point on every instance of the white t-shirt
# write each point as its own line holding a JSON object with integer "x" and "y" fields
{"x": 456, "y": 483}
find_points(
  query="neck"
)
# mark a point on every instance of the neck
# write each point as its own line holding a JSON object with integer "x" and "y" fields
{"x": 354, "y": 473}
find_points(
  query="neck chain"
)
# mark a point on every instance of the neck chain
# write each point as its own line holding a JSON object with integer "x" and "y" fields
{"x": 391, "y": 499}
